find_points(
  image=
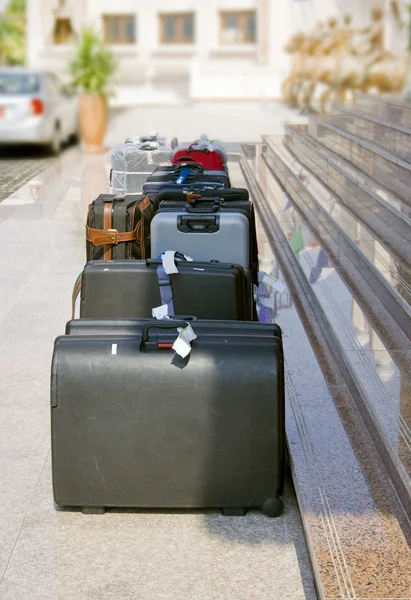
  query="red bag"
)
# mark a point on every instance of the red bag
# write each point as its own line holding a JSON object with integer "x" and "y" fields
{"x": 211, "y": 160}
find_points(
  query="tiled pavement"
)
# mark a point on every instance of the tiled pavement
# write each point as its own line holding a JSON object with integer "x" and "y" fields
{"x": 17, "y": 167}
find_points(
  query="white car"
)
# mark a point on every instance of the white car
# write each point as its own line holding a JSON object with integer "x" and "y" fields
{"x": 36, "y": 108}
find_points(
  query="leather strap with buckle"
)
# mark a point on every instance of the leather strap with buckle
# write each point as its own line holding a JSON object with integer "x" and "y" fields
{"x": 102, "y": 237}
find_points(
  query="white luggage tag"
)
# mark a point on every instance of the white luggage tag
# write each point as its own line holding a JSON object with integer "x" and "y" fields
{"x": 169, "y": 265}
{"x": 160, "y": 312}
{"x": 182, "y": 345}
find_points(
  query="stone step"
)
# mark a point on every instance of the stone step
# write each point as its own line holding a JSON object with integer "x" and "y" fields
{"x": 381, "y": 165}
{"x": 387, "y": 314}
{"x": 356, "y": 529}
{"x": 391, "y": 109}
{"x": 380, "y": 193}
{"x": 395, "y": 138}
{"x": 390, "y": 228}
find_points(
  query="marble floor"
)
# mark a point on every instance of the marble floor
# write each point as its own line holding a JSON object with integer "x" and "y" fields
{"x": 50, "y": 555}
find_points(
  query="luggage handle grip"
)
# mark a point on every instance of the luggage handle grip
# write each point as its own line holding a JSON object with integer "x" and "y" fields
{"x": 177, "y": 256}
{"x": 150, "y": 146}
{"x": 188, "y": 162}
{"x": 200, "y": 224}
{"x": 191, "y": 149}
{"x": 168, "y": 324}
{"x": 211, "y": 208}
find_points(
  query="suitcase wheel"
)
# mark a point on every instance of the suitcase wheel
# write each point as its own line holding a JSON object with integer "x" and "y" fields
{"x": 93, "y": 510}
{"x": 234, "y": 512}
{"x": 272, "y": 507}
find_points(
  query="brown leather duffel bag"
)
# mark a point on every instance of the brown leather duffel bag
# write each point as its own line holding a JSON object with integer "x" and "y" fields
{"x": 118, "y": 227}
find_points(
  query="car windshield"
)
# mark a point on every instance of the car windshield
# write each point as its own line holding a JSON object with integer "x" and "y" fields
{"x": 19, "y": 83}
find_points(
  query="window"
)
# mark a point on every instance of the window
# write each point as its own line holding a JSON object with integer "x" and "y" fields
{"x": 120, "y": 29}
{"x": 63, "y": 31}
{"x": 19, "y": 83}
{"x": 177, "y": 28}
{"x": 238, "y": 27}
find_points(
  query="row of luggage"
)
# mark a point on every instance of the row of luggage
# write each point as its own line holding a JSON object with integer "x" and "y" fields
{"x": 167, "y": 392}
{"x": 135, "y": 160}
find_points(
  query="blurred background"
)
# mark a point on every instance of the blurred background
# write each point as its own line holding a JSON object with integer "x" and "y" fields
{"x": 169, "y": 52}
{"x": 291, "y": 56}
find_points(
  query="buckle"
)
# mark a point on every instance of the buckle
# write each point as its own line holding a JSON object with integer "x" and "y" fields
{"x": 113, "y": 233}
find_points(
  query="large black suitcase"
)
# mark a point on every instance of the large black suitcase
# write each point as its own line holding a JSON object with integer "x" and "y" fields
{"x": 134, "y": 425}
{"x": 130, "y": 289}
{"x": 119, "y": 227}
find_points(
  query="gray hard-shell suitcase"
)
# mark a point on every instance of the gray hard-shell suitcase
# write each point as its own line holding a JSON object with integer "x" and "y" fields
{"x": 132, "y": 164}
{"x": 135, "y": 425}
{"x": 222, "y": 235}
{"x": 130, "y": 289}
{"x": 169, "y": 142}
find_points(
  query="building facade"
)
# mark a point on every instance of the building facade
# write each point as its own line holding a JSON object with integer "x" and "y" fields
{"x": 183, "y": 50}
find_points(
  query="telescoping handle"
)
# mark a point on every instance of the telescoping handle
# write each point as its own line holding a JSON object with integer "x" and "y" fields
{"x": 198, "y": 204}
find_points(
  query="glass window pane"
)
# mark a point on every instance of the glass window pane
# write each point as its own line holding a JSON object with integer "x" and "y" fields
{"x": 251, "y": 27}
{"x": 188, "y": 28}
{"x": 231, "y": 22}
{"x": 114, "y": 30}
{"x": 11, "y": 83}
{"x": 169, "y": 27}
{"x": 130, "y": 30}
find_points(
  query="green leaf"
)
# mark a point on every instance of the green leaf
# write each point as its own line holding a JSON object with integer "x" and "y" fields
{"x": 93, "y": 64}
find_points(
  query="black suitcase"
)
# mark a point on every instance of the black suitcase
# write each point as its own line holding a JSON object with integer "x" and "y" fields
{"x": 183, "y": 196}
{"x": 197, "y": 174}
{"x": 154, "y": 189}
{"x": 119, "y": 227}
{"x": 130, "y": 289}
{"x": 135, "y": 425}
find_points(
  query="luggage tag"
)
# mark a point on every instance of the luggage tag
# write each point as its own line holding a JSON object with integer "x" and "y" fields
{"x": 160, "y": 312}
{"x": 182, "y": 345}
{"x": 183, "y": 176}
{"x": 169, "y": 265}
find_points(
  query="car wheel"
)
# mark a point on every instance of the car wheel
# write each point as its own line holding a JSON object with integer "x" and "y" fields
{"x": 55, "y": 142}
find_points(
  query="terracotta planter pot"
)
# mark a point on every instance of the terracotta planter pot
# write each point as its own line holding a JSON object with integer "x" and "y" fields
{"x": 93, "y": 122}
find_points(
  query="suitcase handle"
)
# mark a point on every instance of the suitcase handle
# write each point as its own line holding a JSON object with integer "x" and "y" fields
{"x": 169, "y": 324}
{"x": 210, "y": 208}
{"x": 200, "y": 224}
{"x": 187, "y": 161}
{"x": 177, "y": 256}
{"x": 150, "y": 146}
{"x": 191, "y": 149}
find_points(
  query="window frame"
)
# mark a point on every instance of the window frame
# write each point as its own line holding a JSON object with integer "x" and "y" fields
{"x": 242, "y": 16}
{"x": 179, "y": 37}
{"x": 123, "y": 20}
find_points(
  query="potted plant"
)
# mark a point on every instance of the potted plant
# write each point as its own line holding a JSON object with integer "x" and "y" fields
{"x": 91, "y": 69}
